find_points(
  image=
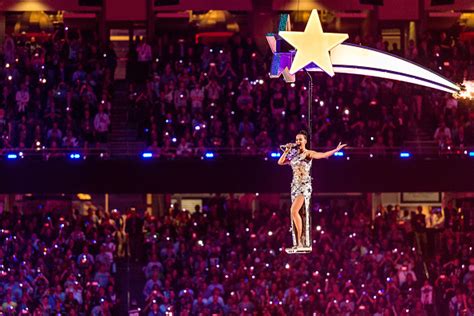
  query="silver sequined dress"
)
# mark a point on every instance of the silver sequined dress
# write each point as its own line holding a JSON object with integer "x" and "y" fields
{"x": 301, "y": 184}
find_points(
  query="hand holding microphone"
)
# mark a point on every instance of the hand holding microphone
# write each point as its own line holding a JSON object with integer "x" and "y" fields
{"x": 288, "y": 146}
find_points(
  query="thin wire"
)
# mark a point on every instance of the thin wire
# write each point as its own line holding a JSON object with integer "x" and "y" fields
{"x": 310, "y": 105}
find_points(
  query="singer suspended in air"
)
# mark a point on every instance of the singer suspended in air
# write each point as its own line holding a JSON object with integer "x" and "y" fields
{"x": 300, "y": 158}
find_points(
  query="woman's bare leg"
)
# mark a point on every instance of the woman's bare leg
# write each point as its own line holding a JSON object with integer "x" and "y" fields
{"x": 296, "y": 218}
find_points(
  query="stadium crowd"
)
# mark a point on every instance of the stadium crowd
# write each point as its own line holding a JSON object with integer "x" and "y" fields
{"x": 58, "y": 263}
{"x": 56, "y": 92}
{"x": 233, "y": 265}
{"x": 225, "y": 260}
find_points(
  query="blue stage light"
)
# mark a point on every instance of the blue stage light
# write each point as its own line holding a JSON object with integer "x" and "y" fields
{"x": 339, "y": 154}
{"x": 209, "y": 155}
{"x": 275, "y": 155}
{"x": 471, "y": 154}
{"x": 405, "y": 155}
{"x": 75, "y": 156}
{"x": 147, "y": 155}
{"x": 12, "y": 156}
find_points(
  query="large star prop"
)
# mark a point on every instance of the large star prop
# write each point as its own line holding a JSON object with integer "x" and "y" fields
{"x": 319, "y": 51}
{"x": 313, "y": 45}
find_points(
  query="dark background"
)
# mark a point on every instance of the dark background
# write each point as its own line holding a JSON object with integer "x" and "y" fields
{"x": 232, "y": 175}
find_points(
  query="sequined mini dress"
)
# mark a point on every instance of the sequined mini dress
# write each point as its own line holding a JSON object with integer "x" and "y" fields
{"x": 301, "y": 183}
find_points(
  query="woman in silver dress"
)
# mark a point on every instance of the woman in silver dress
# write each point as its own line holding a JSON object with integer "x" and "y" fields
{"x": 300, "y": 158}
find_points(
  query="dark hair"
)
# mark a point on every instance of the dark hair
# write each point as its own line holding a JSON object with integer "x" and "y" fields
{"x": 304, "y": 133}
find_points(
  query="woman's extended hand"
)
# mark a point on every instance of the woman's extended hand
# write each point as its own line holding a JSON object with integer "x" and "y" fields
{"x": 340, "y": 146}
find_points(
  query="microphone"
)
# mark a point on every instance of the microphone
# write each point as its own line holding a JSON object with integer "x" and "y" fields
{"x": 292, "y": 145}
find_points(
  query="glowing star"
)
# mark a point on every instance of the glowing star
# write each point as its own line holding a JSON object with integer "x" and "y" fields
{"x": 313, "y": 45}
{"x": 319, "y": 51}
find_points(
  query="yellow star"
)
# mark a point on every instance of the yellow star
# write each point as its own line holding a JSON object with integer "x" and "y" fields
{"x": 313, "y": 45}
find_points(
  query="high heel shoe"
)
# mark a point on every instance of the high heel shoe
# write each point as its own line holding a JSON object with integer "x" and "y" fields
{"x": 291, "y": 250}
{"x": 298, "y": 249}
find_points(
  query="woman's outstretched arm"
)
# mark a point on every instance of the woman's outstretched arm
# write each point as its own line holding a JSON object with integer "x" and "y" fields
{"x": 317, "y": 155}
